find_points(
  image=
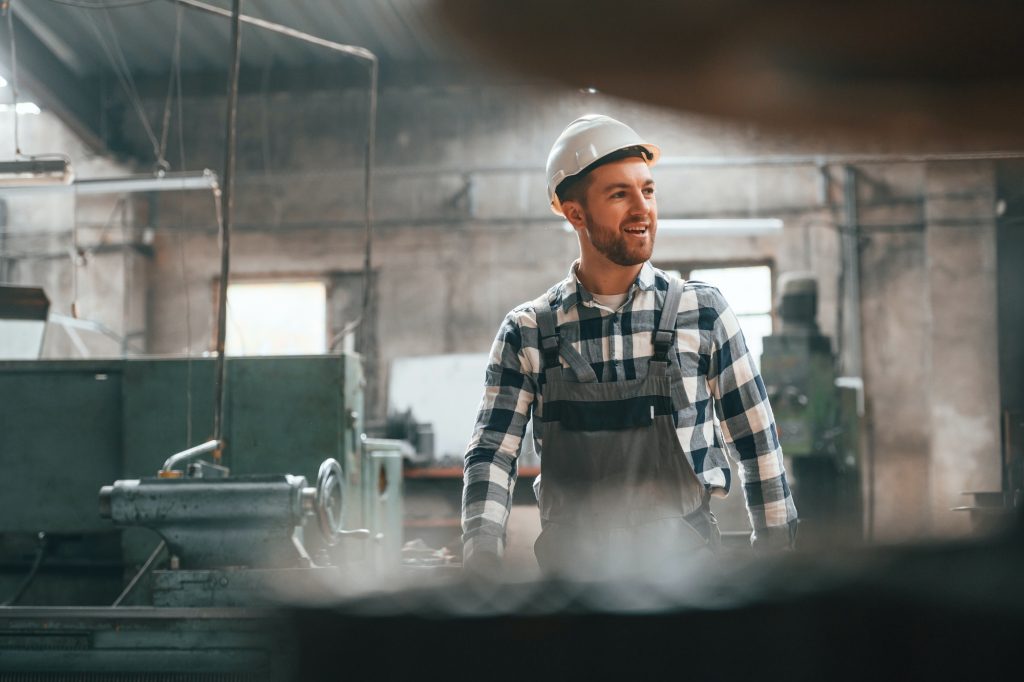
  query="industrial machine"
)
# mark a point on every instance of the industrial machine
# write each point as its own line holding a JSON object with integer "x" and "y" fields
{"x": 816, "y": 413}
{"x": 165, "y": 565}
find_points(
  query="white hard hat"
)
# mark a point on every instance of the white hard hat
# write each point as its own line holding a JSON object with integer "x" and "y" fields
{"x": 583, "y": 142}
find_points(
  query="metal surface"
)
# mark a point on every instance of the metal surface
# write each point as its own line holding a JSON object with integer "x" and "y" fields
{"x": 233, "y": 587}
{"x": 329, "y": 499}
{"x": 236, "y": 541}
{"x": 208, "y": 644}
{"x": 238, "y": 521}
{"x": 69, "y": 427}
{"x": 382, "y": 504}
{"x": 60, "y": 440}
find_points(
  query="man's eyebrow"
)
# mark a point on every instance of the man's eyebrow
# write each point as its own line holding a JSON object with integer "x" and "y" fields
{"x": 625, "y": 185}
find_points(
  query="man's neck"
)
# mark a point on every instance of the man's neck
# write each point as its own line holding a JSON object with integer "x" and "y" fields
{"x": 606, "y": 278}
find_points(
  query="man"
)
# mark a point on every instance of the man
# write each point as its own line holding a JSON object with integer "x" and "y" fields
{"x": 620, "y": 366}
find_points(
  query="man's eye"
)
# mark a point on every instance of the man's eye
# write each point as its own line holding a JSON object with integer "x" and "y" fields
{"x": 618, "y": 195}
{"x": 649, "y": 191}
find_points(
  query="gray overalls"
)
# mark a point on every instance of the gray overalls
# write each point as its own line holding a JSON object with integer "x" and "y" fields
{"x": 617, "y": 494}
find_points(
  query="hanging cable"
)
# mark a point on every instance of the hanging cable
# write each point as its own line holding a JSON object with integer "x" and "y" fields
{"x": 26, "y": 582}
{"x": 225, "y": 225}
{"x": 6, "y": 6}
{"x": 127, "y": 82}
{"x": 166, "y": 120}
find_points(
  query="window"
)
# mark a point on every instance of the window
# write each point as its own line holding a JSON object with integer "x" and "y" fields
{"x": 749, "y": 293}
{"x": 276, "y": 318}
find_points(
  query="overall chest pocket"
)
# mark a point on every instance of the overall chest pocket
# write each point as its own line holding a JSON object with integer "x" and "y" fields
{"x": 606, "y": 415}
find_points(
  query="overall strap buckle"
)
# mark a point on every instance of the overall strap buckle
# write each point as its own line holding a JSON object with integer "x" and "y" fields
{"x": 549, "y": 350}
{"x": 662, "y": 343}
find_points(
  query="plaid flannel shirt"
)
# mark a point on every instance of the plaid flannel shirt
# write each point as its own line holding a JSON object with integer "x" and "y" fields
{"x": 718, "y": 373}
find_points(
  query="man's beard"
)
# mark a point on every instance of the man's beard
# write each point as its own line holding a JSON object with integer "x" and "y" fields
{"x": 614, "y": 245}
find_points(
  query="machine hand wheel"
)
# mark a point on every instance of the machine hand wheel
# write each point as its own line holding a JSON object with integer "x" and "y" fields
{"x": 330, "y": 499}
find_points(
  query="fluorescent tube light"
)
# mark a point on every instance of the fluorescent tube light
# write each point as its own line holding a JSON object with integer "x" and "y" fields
{"x": 168, "y": 182}
{"x": 721, "y": 227}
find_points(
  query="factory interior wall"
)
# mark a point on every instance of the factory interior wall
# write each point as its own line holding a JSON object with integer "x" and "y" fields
{"x": 37, "y": 244}
{"x": 464, "y": 233}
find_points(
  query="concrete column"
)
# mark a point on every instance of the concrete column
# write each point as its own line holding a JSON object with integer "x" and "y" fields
{"x": 895, "y": 337}
{"x": 962, "y": 388}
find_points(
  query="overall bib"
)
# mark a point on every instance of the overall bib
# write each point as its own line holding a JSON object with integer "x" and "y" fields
{"x": 617, "y": 494}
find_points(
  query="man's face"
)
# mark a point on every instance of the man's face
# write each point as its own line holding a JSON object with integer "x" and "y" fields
{"x": 620, "y": 215}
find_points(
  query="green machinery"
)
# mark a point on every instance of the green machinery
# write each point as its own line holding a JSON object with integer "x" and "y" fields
{"x": 817, "y": 417}
{"x": 70, "y": 428}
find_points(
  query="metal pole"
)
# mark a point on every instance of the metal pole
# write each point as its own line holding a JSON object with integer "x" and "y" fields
{"x": 227, "y": 200}
{"x": 371, "y": 135}
{"x": 850, "y": 330}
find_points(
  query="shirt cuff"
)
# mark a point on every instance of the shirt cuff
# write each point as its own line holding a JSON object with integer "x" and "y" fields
{"x": 775, "y": 538}
{"x": 481, "y": 547}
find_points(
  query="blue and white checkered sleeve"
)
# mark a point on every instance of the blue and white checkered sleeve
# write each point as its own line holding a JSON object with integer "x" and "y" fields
{"x": 490, "y": 466}
{"x": 741, "y": 403}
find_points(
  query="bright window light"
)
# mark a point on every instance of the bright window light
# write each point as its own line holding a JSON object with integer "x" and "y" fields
{"x": 749, "y": 293}
{"x": 3, "y": 82}
{"x": 276, "y": 318}
{"x": 23, "y": 108}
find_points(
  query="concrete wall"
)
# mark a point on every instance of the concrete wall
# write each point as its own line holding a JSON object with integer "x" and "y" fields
{"x": 463, "y": 231}
{"x": 42, "y": 230}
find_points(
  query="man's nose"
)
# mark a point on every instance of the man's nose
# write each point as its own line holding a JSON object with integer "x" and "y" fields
{"x": 640, "y": 203}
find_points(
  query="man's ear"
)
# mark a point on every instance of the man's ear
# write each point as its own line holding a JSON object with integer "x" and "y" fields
{"x": 573, "y": 212}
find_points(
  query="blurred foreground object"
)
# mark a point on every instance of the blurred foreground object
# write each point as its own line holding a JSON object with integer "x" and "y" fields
{"x": 945, "y": 73}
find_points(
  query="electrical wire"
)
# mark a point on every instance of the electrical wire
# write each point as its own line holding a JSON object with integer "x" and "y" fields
{"x": 26, "y": 582}
{"x": 171, "y": 80}
{"x": 125, "y": 78}
{"x": 14, "y": 74}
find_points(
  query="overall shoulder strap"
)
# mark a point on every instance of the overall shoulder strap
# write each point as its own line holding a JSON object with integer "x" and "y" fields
{"x": 548, "y": 336}
{"x": 665, "y": 334}
{"x": 551, "y": 347}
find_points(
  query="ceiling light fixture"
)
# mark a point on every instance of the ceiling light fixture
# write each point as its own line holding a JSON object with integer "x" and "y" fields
{"x": 165, "y": 182}
{"x": 36, "y": 173}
